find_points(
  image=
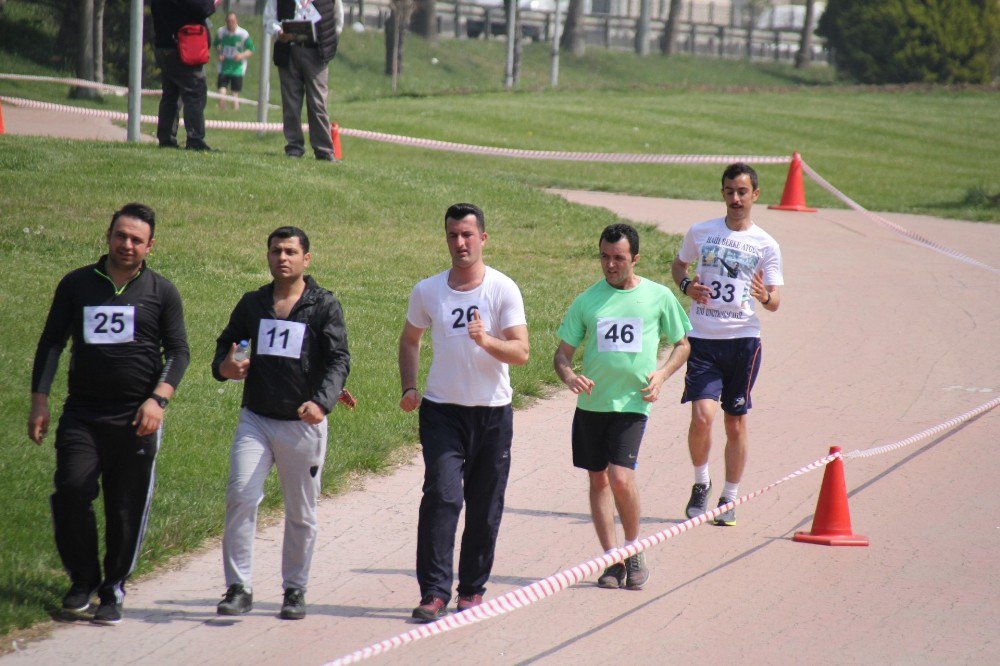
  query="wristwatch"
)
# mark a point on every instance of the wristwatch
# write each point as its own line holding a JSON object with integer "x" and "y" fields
{"x": 684, "y": 285}
{"x": 160, "y": 400}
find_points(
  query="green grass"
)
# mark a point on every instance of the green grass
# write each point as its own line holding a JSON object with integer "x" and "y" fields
{"x": 376, "y": 225}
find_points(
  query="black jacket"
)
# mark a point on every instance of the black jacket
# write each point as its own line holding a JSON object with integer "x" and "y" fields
{"x": 276, "y": 386}
{"x": 111, "y": 376}
{"x": 326, "y": 30}
{"x": 170, "y": 15}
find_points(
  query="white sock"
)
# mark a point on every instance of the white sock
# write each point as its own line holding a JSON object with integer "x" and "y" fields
{"x": 701, "y": 474}
{"x": 731, "y": 490}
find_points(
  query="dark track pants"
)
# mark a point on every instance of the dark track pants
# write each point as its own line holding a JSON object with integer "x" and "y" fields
{"x": 90, "y": 448}
{"x": 466, "y": 454}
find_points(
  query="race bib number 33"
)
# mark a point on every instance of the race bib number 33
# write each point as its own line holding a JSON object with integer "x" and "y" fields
{"x": 277, "y": 337}
{"x": 108, "y": 324}
{"x": 621, "y": 334}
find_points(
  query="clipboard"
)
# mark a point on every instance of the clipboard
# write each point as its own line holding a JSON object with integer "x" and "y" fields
{"x": 303, "y": 32}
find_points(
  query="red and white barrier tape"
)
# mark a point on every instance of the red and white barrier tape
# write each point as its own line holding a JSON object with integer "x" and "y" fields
{"x": 892, "y": 226}
{"x": 530, "y": 594}
{"x": 972, "y": 413}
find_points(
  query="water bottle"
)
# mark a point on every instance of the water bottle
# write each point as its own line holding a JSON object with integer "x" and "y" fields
{"x": 242, "y": 353}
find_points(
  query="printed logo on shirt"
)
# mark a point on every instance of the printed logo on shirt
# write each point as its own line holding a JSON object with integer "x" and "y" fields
{"x": 278, "y": 337}
{"x": 108, "y": 324}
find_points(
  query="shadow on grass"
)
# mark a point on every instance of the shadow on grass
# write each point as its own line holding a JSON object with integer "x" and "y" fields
{"x": 25, "y": 39}
{"x": 978, "y": 203}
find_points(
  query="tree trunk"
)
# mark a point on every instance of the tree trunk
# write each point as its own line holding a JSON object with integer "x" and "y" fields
{"x": 395, "y": 34}
{"x": 804, "y": 56}
{"x": 668, "y": 42}
{"x": 99, "y": 40}
{"x": 573, "y": 37}
{"x": 642, "y": 28}
{"x": 85, "y": 51}
{"x": 424, "y": 21}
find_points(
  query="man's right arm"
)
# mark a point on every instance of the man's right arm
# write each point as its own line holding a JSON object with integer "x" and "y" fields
{"x": 225, "y": 345}
{"x": 563, "y": 364}
{"x": 50, "y": 347}
{"x": 409, "y": 366}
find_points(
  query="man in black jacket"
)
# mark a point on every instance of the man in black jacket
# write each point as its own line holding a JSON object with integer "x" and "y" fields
{"x": 302, "y": 64}
{"x": 124, "y": 319}
{"x": 294, "y": 376}
{"x": 184, "y": 83}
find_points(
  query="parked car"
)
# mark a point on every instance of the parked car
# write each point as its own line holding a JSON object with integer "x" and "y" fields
{"x": 535, "y": 31}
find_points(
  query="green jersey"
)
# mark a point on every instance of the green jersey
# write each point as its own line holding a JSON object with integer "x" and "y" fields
{"x": 230, "y": 45}
{"x": 621, "y": 331}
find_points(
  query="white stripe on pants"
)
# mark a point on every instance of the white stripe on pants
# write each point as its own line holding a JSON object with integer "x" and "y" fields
{"x": 298, "y": 450}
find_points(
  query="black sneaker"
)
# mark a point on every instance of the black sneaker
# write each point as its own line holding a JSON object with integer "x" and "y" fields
{"x": 726, "y": 518}
{"x": 77, "y": 600}
{"x": 200, "y": 146}
{"x": 108, "y": 613}
{"x": 613, "y": 577}
{"x": 431, "y": 608}
{"x": 324, "y": 157}
{"x": 237, "y": 601}
{"x": 637, "y": 573}
{"x": 294, "y": 605}
{"x": 698, "y": 504}
{"x": 169, "y": 144}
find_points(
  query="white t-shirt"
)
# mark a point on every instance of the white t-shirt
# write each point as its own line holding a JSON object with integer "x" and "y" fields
{"x": 462, "y": 373}
{"x": 726, "y": 261}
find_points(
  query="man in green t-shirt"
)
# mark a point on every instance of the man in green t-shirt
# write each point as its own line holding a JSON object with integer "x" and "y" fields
{"x": 620, "y": 320}
{"x": 233, "y": 46}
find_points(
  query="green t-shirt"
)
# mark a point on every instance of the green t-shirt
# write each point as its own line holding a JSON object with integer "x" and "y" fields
{"x": 231, "y": 44}
{"x": 621, "y": 331}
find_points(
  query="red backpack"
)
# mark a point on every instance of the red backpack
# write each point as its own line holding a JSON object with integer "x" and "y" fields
{"x": 192, "y": 44}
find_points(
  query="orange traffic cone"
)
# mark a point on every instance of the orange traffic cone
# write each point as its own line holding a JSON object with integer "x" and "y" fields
{"x": 1, "y": 119}
{"x": 335, "y": 136}
{"x": 832, "y": 520}
{"x": 794, "y": 196}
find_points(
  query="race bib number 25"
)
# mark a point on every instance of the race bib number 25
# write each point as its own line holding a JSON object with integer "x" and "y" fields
{"x": 108, "y": 324}
{"x": 277, "y": 337}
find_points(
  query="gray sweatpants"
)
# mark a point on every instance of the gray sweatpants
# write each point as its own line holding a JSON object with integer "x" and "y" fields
{"x": 298, "y": 449}
{"x": 305, "y": 77}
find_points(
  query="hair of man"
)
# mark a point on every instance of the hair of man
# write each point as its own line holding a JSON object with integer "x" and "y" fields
{"x": 283, "y": 233}
{"x": 460, "y": 211}
{"x": 736, "y": 170}
{"x": 615, "y": 232}
{"x": 138, "y": 211}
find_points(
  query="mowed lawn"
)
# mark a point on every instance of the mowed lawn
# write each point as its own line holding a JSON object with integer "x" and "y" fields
{"x": 376, "y": 225}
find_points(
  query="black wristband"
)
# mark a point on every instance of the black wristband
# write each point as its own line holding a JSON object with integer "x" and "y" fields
{"x": 408, "y": 389}
{"x": 768, "y": 299}
{"x": 685, "y": 283}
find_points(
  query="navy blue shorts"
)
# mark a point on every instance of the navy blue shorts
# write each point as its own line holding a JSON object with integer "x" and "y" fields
{"x": 234, "y": 83}
{"x": 725, "y": 369}
{"x": 600, "y": 438}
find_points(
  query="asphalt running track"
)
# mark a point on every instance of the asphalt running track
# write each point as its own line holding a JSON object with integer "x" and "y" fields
{"x": 877, "y": 338}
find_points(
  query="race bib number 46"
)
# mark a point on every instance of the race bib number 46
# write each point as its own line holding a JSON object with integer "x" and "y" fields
{"x": 277, "y": 337}
{"x": 108, "y": 324}
{"x": 622, "y": 334}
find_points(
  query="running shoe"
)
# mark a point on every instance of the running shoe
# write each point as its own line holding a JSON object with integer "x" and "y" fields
{"x": 698, "y": 504}
{"x": 236, "y": 602}
{"x": 77, "y": 600}
{"x": 294, "y": 605}
{"x": 727, "y": 518}
{"x": 108, "y": 613}
{"x": 636, "y": 572}
{"x": 431, "y": 608}
{"x": 613, "y": 577}
{"x": 467, "y": 601}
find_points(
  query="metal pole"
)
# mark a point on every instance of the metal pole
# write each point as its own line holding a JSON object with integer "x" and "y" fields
{"x": 264, "y": 87}
{"x": 554, "y": 70}
{"x": 135, "y": 71}
{"x": 511, "y": 22}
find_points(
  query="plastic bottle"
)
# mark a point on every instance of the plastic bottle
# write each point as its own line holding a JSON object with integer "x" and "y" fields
{"x": 242, "y": 353}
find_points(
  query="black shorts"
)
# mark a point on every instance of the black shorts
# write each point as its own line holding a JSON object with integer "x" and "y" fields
{"x": 233, "y": 83}
{"x": 725, "y": 369}
{"x": 600, "y": 438}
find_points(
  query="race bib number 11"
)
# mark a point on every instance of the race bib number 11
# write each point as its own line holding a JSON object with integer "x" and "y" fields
{"x": 277, "y": 337}
{"x": 108, "y": 324}
{"x": 623, "y": 334}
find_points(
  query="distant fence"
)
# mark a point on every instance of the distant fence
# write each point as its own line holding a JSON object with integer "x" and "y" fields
{"x": 713, "y": 34}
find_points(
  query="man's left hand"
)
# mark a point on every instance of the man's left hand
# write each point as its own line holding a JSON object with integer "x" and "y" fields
{"x": 311, "y": 413}
{"x": 148, "y": 418}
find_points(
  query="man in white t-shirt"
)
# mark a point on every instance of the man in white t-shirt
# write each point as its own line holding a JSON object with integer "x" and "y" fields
{"x": 737, "y": 265}
{"x": 478, "y": 328}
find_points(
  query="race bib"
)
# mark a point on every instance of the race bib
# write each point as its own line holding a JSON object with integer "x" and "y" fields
{"x": 277, "y": 337}
{"x": 108, "y": 324}
{"x": 621, "y": 334}
{"x": 458, "y": 312}
{"x": 728, "y": 293}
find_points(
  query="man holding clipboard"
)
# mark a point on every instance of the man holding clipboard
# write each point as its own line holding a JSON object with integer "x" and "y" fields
{"x": 306, "y": 33}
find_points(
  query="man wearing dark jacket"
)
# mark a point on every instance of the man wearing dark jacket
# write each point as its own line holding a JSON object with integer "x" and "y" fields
{"x": 184, "y": 83}
{"x": 302, "y": 63}
{"x": 294, "y": 375}
{"x": 129, "y": 353}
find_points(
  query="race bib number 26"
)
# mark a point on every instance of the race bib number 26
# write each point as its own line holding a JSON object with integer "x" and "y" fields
{"x": 277, "y": 337}
{"x": 108, "y": 324}
{"x": 619, "y": 334}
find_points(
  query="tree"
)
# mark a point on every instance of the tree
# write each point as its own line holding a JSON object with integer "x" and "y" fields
{"x": 902, "y": 41}
{"x": 424, "y": 21}
{"x": 395, "y": 32}
{"x": 573, "y": 37}
{"x": 804, "y": 56}
{"x": 642, "y": 28}
{"x": 508, "y": 6}
{"x": 668, "y": 42}
{"x": 85, "y": 51}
